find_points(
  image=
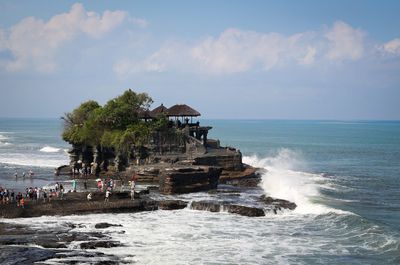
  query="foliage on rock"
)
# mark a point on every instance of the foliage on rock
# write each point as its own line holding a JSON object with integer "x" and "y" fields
{"x": 114, "y": 125}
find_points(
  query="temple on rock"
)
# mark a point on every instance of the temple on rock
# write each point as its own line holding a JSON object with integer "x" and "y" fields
{"x": 125, "y": 136}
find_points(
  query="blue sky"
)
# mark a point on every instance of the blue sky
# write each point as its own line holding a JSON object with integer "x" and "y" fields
{"x": 227, "y": 59}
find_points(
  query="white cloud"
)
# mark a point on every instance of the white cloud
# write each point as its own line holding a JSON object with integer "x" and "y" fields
{"x": 392, "y": 46}
{"x": 238, "y": 51}
{"x": 139, "y": 22}
{"x": 345, "y": 42}
{"x": 309, "y": 58}
{"x": 2, "y": 40}
{"x": 34, "y": 42}
{"x": 235, "y": 51}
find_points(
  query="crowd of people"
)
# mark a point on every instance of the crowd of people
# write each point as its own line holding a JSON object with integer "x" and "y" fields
{"x": 35, "y": 194}
{"x": 32, "y": 194}
{"x": 30, "y": 174}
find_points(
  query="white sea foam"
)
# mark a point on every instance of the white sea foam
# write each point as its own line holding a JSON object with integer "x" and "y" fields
{"x": 50, "y": 149}
{"x": 283, "y": 179}
{"x": 197, "y": 237}
{"x": 3, "y": 141}
{"x": 4, "y": 144}
{"x": 32, "y": 160}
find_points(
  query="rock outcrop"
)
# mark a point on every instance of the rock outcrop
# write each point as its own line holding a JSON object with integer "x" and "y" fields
{"x": 172, "y": 205}
{"x": 104, "y": 225}
{"x": 277, "y": 204}
{"x": 188, "y": 179}
{"x": 17, "y": 245}
{"x": 230, "y": 208}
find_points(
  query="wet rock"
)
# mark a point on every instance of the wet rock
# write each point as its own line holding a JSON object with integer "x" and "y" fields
{"x": 245, "y": 210}
{"x": 218, "y": 191}
{"x": 63, "y": 170}
{"x": 24, "y": 255}
{"x": 77, "y": 204}
{"x": 73, "y": 226}
{"x": 51, "y": 244}
{"x": 104, "y": 225}
{"x": 230, "y": 208}
{"x": 277, "y": 204}
{"x": 206, "y": 206}
{"x": 99, "y": 244}
{"x": 188, "y": 179}
{"x": 172, "y": 205}
{"x": 76, "y": 256}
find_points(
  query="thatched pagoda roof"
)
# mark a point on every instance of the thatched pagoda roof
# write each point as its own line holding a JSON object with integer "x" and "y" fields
{"x": 144, "y": 114}
{"x": 182, "y": 110}
{"x": 158, "y": 111}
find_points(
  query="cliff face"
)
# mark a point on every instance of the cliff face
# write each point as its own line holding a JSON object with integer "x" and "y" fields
{"x": 188, "y": 179}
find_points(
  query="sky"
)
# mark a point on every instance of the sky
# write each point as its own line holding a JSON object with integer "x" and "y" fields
{"x": 233, "y": 59}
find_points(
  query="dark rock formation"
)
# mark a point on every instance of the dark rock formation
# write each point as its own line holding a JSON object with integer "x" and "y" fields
{"x": 245, "y": 210}
{"x": 188, "y": 179}
{"x": 68, "y": 207}
{"x": 16, "y": 245}
{"x": 248, "y": 176}
{"x": 99, "y": 244}
{"x": 24, "y": 255}
{"x": 277, "y": 204}
{"x": 63, "y": 170}
{"x": 206, "y": 206}
{"x": 225, "y": 158}
{"x": 172, "y": 205}
{"x": 230, "y": 208}
{"x": 104, "y": 225}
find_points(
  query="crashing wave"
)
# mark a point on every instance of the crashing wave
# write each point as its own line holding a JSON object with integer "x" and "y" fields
{"x": 50, "y": 149}
{"x": 282, "y": 179}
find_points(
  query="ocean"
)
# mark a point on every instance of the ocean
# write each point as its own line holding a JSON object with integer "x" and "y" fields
{"x": 343, "y": 175}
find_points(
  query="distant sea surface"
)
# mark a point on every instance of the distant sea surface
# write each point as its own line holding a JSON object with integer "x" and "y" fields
{"x": 343, "y": 175}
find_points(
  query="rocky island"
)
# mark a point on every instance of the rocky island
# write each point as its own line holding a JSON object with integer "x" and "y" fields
{"x": 162, "y": 146}
{"x": 163, "y": 149}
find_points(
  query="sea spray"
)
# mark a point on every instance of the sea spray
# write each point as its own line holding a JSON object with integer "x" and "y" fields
{"x": 49, "y": 149}
{"x": 3, "y": 141}
{"x": 284, "y": 178}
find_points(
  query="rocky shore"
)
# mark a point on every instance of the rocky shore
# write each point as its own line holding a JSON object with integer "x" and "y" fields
{"x": 25, "y": 245}
{"x": 75, "y": 203}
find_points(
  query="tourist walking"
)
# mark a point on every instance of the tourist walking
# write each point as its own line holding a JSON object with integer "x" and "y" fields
{"x": 107, "y": 198}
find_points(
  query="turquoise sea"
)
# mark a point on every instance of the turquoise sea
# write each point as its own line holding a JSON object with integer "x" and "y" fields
{"x": 343, "y": 175}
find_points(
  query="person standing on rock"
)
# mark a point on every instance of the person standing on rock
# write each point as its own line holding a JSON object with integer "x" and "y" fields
{"x": 89, "y": 196}
{"x": 61, "y": 191}
{"x": 133, "y": 185}
{"x": 107, "y": 198}
{"x": 74, "y": 185}
{"x": 22, "y": 202}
